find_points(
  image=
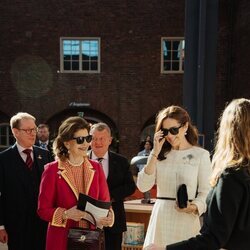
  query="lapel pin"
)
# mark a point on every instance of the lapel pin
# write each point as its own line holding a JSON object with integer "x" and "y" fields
{"x": 39, "y": 157}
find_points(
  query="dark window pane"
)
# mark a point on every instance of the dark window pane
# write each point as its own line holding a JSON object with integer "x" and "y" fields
{"x": 167, "y": 66}
{"x": 176, "y": 45}
{"x": 3, "y": 140}
{"x": 3, "y": 130}
{"x": 166, "y": 46}
{"x": 167, "y": 57}
{"x": 175, "y": 66}
{"x": 93, "y": 65}
{"x": 66, "y": 65}
{"x": 94, "y": 58}
{"x": 85, "y": 66}
{"x": 175, "y": 55}
{"x": 75, "y": 57}
{"x": 75, "y": 65}
{"x": 66, "y": 57}
{"x": 85, "y": 57}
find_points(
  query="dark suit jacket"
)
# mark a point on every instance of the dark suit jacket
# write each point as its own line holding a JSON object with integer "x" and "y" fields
{"x": 227, "y": 220}
{"x": 19, "y": 188}
{"x": 121, "y": 184}
{"x": 49, "y": 147}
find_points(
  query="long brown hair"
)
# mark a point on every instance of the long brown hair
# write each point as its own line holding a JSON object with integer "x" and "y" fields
{"x": 180, "y": 115}
{"x": 233, "y": 138}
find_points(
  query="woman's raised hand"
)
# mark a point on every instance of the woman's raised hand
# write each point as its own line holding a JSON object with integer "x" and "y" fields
{"x": 158, "y": 142}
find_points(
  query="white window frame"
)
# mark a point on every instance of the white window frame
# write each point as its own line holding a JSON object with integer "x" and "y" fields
{"x": 7, "y": 135}
{"x": 80, "y": 55}
{"x": 171, "y": 61}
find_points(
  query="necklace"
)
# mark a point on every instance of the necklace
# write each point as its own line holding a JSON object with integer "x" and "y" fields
{"x": 75, "y": 164}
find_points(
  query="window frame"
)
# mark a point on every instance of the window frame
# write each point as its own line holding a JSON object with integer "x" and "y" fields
{"x": 80, "y": 39}
{"x": 7, "y": 135}
{"x": 181, "y": 61}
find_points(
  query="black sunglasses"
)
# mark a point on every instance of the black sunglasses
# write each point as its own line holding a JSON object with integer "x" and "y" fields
{"x": 173, "y": 130}
{"x": 81, "y": 139}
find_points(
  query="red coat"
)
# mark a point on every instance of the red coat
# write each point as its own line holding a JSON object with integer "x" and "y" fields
{"x": 58, "y": 192}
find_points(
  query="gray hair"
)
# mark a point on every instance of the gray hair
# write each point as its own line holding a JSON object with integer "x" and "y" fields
{"x": 100, "y": 126}
{"x": 16, "y": 119}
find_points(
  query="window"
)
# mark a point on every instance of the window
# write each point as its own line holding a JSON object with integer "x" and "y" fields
{"x": 172, "y": 55}
{"x": 6, "y": 137}
{"x": 80, "y": 55}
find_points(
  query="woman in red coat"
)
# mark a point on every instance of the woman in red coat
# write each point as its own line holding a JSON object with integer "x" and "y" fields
{"x": 62, "y": 181}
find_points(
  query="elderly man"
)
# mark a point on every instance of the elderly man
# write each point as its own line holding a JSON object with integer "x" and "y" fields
{"x": 21, "y": 167}
{"x": 119, "y": 179}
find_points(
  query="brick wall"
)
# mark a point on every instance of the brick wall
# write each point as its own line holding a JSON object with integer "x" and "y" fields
{"x": 130, "y": 89}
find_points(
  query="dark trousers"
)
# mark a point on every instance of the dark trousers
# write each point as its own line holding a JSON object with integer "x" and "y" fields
{"x": 113, "y": 241}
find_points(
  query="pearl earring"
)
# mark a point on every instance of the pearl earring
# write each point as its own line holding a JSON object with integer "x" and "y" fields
{"x": 185, "y": 133}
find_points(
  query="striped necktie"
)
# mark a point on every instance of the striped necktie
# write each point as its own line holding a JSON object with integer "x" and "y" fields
{"x": 100, "y": 160}
{"x": 29, "y": 161}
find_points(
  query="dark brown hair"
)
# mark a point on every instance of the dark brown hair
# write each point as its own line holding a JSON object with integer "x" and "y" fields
{"x": 180, "y": 115}
{"x": 66, "y": 133}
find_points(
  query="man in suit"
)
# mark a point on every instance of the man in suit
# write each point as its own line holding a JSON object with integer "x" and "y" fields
{"x": 43, "y": 138}
{"x": 21, "y": 167}
{"x": 119, "y": 179}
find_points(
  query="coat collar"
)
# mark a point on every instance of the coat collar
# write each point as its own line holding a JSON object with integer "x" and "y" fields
{"x": 88, "y": 175}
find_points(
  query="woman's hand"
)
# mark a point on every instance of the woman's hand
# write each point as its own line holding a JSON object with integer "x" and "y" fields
{"x": 74, "y": 214}
{"x": 107, "y": 221}
{"x": 158, "y": 142}
{"x": 190, "y": 209}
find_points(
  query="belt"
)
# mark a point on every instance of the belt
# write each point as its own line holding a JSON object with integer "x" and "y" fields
{"x": 166, "y": 198}
{"x": 170, "y": 199}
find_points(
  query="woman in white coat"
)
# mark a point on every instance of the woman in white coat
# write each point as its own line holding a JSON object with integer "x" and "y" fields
{"x": 176, "y": 159}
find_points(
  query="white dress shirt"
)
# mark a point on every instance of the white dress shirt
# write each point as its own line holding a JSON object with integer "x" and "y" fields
{"x": 105, "y": 162}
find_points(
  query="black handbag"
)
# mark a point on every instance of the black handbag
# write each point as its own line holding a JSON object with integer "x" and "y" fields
{"x": 86, "y": 238}
{"x": 182, "y": 196}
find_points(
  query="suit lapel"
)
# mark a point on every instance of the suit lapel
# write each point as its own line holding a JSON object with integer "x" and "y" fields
{"x": 38, "y": 160}
{"x": 112, "y": 164}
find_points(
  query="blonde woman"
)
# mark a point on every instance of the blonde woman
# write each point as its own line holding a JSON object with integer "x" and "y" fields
{"x": 227, "y": 221}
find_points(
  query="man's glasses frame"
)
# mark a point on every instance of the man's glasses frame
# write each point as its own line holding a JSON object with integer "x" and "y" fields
{"x": 81, "y": 139}
{"x": 172, "y": 130}
{"x": 29, "y": 130}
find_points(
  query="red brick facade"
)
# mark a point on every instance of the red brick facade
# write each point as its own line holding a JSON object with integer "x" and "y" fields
{"x": 130, "y": 89}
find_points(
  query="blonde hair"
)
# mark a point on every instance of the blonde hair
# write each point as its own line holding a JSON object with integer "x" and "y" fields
{"x": 233, "y": 138}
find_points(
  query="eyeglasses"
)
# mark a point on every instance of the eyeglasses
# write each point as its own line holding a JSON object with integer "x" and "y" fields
{"x": 29, "y": 130}
{"x": 81, "y": 139}
{"x": 173, "y": 130}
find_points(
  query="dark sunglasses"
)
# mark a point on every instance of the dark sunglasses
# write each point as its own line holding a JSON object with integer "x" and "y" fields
{"x": 81, "y": 139}
{"x": 173, "y": 130}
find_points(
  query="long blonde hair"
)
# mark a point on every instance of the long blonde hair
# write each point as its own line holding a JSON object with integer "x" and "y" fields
{"x": 233, "y": 144}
